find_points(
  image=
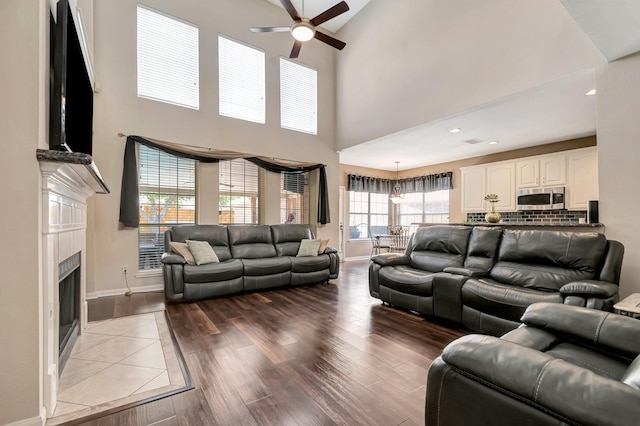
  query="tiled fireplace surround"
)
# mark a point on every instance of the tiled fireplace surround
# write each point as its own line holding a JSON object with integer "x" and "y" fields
{"x": 64, "y": 229}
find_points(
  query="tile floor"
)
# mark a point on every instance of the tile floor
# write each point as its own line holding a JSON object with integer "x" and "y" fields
{"x": 116, "y": 362}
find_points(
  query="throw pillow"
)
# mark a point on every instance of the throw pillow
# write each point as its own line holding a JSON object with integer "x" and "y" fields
{"x": 202, "y": 252}
{"x": 183, "y": 250}
{"x": 308, "y": 248}
{"x": 323, "y": 245}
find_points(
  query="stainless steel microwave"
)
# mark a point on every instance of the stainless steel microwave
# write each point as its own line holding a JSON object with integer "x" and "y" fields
{"x": 540, "y": 198}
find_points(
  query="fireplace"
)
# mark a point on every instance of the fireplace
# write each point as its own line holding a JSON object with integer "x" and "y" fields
{"x": 69, "y": 280}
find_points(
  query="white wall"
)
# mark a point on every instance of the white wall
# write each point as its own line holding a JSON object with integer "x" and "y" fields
{"x": 118, "y": 109}
{"x": 23, "y": 31}
{"x": 618, "y": 106}
{"x": 407, "y": 63}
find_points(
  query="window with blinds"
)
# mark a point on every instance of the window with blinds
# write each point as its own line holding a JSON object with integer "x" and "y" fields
{"x": 424, "y": 207}
{"x": 294, "y": 197}
{"x": 238, "y": 192}
{"x": 167, "y": 198}
{"x": 298, "y": 97}
{"x": 167, "y": 59}
{"x": 241, "y": 77}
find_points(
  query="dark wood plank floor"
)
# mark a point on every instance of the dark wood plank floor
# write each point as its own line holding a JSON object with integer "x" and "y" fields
{"x": 315, "y": 355}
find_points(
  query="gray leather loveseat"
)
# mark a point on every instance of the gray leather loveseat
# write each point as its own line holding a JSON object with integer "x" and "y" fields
{"x": 485, "y": 277}
{"x": 566, "y": 365}
{"x": 251, "y": 257}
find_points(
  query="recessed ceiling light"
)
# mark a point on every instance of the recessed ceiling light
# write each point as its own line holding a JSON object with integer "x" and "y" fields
{"x": 454, "y": 130}
{"x": 591, "y": 92}
{"x": 493, "y": 143}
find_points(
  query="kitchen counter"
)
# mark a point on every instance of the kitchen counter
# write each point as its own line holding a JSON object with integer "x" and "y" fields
{"x": 525, "y": 224}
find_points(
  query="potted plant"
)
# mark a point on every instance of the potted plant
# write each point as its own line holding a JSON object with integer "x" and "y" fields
{"x": 493, "y": 216}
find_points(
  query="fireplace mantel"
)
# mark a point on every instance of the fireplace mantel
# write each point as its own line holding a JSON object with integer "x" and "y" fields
{"x": 68, "y": 180}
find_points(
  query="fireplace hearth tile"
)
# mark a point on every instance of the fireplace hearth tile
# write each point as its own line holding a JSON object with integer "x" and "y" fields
{"x": 77, "y": 370}
{"x": 115, "y": 349}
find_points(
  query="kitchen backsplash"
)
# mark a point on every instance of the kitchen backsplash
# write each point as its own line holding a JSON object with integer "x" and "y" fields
{"x": 572, "y": 216}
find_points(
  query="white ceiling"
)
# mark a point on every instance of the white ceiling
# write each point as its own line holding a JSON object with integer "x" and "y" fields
{"x": 315, "y": 7}
{"x": 556, "y": 111}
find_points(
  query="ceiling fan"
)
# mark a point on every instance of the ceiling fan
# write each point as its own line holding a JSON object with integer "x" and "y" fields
{"x": 304, "y": 29}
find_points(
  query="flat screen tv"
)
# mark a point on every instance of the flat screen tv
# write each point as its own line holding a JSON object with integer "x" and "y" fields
{"x": 71, "y": 93}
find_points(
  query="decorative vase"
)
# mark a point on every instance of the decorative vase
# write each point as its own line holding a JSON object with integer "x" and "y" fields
{"x": 493, "y": 216}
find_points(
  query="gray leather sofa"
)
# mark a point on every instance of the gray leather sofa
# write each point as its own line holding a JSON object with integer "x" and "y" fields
{"x": 252, "y": 257}
{"x": 566, "y": 365}
{"x": 485, "y": 277}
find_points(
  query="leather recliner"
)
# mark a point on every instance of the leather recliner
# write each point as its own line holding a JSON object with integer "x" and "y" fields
{"x": 564, "y": 365}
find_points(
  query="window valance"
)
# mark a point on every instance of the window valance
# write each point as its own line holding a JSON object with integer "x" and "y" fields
{"x": 129, "y": 197}
{"x": 427, "y": 183}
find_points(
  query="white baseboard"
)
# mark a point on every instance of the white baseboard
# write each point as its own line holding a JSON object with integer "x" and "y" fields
{"x": 33, "y": 421}
{"x": 121, "y": 291}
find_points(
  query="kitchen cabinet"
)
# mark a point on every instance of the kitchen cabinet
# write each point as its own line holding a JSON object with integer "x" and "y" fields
{"x": 500, "y": 180}
{"x": 547, "y": 170}
{"x": 472, "y": 188}
{"x": 583, "y": 178}
{"x": 494, "y": 178}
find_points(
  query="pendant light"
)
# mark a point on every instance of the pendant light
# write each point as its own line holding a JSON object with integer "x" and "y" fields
{"x": 396, "y": 196}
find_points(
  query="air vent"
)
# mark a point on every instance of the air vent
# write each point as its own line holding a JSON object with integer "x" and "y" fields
{"x": 473, "y": 141}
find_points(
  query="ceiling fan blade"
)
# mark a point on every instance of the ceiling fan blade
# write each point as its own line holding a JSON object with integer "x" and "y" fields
{"x": 270, "y": 29}
{"x": 330, "y": 40}
{"x": 330, "y": 13}
{"x": 296, "y": 49}
{"x": 289, "y": 8}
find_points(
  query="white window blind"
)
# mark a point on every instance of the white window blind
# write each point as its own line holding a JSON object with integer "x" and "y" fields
{"x": 238, "y": 192}
{"x": 298, "y": 97}
{"x": 294, "y": 197}
{"x": 167, "y": 59}
{"x": 167, "y": 198}
{"x": 242, "y": 81}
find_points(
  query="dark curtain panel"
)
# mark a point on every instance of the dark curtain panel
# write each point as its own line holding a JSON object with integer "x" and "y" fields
{"x": 129, "y": 200}
{"x": 369, "y": 184}
{"x": 323, "y": 198}
{"x": 429, "y": 183}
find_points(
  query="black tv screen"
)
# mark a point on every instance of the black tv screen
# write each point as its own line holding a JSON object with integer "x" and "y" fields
{"x": 71, "y": 94}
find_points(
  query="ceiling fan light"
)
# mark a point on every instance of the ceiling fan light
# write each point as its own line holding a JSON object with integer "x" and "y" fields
{"x": 302, "y": 31}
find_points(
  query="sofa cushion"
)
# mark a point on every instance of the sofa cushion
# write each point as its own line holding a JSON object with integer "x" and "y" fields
{"x": 310, "y": 263}
{"x": 266, "y": 266}
{"x": 286, "y": 238}
{"x": 183, "y": 250}
{"x": 215, "y": 235}
{"x": 308, "y": 248}
{"x": 406, "y": 279}
{"x": 433, "y": 248}
{"x": 502, "y": 300}
{"x": 212, "y": 272}
{"x": 483, "y": 248}
{"x": 251, "y": 241}
{"x": 547, "y": 260}
{"x": 202, "y": 252}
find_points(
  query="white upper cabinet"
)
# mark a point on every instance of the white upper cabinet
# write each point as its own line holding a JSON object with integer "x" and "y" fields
{"x": 583, "y": 178}
{"x": 473, "y": 188}
{"x": 548, "y": 170}
{"x": 500, "y": 180}
{"x": 494, "y": 178}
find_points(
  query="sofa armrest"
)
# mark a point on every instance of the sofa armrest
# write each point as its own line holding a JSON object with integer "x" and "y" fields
{"x": 603, "y": 330}
{"x": 328, "y": 250}
{"x": 172, "y": 258}
{"x": 590, "y": 288}
{"x": 467, "y": 272}
{"x": 391, "y": 259}
{"x": 553, "y": 384}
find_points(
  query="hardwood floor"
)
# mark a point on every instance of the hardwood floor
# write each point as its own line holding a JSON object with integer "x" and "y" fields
{"x": 314, "y": 355}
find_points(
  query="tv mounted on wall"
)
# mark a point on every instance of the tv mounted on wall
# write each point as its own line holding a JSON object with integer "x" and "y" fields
{"x": 71, "y": 93}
